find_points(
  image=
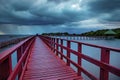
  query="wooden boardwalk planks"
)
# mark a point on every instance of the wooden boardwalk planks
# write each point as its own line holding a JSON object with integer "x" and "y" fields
{"x": 44, "y": 65}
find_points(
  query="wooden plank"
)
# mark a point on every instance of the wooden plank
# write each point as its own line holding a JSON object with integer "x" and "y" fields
{"x": 44, "y": 65}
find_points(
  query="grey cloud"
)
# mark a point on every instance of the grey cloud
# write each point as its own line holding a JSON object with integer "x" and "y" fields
{"x": 57, "y": 1}
{"x": 114, "y": 16}
{"x": 56, "y": 12}
{"x": 20, "y": 6}
{"x": 47, "y": 13}
{"x": 102, "y": 6}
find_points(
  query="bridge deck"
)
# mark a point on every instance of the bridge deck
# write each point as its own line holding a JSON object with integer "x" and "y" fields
{"x": 44, "y": 65}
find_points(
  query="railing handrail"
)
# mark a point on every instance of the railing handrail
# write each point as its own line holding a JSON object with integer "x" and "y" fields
{"x": 6, "y": 53}
{"x": 104, "y": 65}
{"x": 7, "y": 71}
{"x": 92, "y": 45}
{"x": 23, "y": 57}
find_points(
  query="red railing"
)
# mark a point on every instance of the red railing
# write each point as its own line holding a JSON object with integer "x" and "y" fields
{"x": 7, "y": 72}
{"x": 56, "y": 45}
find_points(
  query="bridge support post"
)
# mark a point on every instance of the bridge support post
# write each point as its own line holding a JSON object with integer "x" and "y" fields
{"x": 54, "y": 45}
{"x": 68, "y": 52}
{"x": 105, "y": 55}
{"x": 79, "y": 58}
{"x": 5, "y": 68}
{"x": 57, "y": 41}
{"x": 61, "y": 49}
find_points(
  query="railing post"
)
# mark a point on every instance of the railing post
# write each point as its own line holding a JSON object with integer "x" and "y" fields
{"x": 24, "y": 48}
{"x": 19, "y": 54}
{"x": 61, "y": 48}
{"x": 68, "y": 52}
{"x": 54, "y": 45}
{"x": 51, "y": 43}
{"x": 57, "y": 41}
{"x": 105, "y": 55}
{"x": 5, "y": 68}
{"x": 79, "y": 57}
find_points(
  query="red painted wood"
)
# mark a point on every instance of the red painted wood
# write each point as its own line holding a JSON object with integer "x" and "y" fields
{"x": 103, "y": 64}
{"x": 105, "y": 55}
{"x": 5, "y": 69}
{"x": 79, "y": 57}
{"x": 19, "y": 54}
{"x": 53, "y": 45}
{"x": 8, "y": 52}
{"x": 61, "y": 49}
{"x": 68, "y": 52}
{"x": 57, "y": 41}
{"x": 45, "y": 65}
{"x": 24, "y": 68}
{"x": 20, "y": 63}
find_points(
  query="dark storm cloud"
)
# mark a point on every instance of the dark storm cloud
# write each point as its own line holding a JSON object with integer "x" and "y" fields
{"x": 57, "y": 12}
{"x": 57, "y": 1}
{"x": 41, "y": 12}
{"x": 21, "y": 5}
{"x": 104, "y": 6}
{"x": 109, "y": 7}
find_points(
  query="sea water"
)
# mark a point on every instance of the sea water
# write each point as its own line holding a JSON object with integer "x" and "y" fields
{"x": 95, "y": 53}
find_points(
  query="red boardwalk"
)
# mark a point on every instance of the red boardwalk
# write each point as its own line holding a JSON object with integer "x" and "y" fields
{"x": 36, "y": 61}
{"x": 44, "y": 65}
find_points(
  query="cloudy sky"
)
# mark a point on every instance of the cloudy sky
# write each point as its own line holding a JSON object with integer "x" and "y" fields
{"x": 73, "y": 16}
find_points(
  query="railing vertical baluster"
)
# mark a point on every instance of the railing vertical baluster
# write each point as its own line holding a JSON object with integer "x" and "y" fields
{"x": 54, "y": 45}
{"x": 61, "y": 49}
{"x": 68, "y": 52}
{"x": 79, "y": 57}
{"x": 104, "y": 65}
{"x": 19, "y": 54}
{"x": 51, "y": 43}
{"x": 24, "y": 48}
{"x": 57, "y": 41}
{"x": 5, "y": 68}
{"x": 105, "y": 55}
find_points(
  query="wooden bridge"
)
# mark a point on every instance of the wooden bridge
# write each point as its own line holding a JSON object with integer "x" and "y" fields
{"x": 42, "y": 58}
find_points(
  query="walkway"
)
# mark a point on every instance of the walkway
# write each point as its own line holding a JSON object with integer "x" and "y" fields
{"x": 44, "y": 65}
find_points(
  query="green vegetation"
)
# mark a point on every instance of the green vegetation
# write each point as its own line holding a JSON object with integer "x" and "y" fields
{"x": 91, "y": 33}
{"x": 101, "y": 33}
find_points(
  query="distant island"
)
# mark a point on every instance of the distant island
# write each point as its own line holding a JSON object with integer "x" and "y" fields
{"x": 90, "y": 33}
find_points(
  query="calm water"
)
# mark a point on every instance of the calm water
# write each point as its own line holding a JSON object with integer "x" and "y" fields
{"x": 92, "y": 52}
{"x": 9, "y": 37}
{"x": 5, "y": 38}
{"x": 95, "y": 53}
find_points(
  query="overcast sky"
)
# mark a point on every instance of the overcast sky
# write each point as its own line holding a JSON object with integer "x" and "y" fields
{"x": 75, "y": 16}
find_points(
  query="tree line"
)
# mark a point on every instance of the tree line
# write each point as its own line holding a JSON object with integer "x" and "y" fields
{"x": 90, "y": 33}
